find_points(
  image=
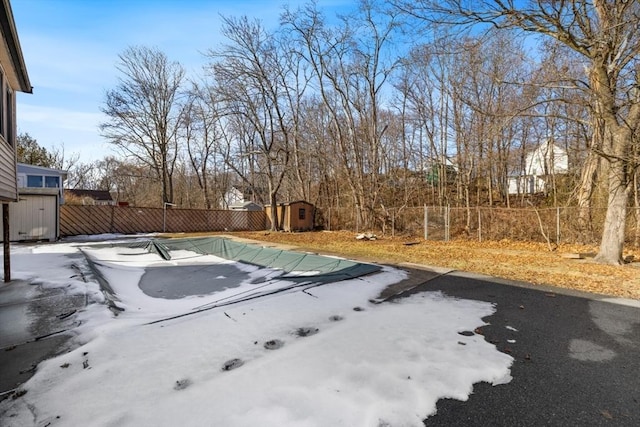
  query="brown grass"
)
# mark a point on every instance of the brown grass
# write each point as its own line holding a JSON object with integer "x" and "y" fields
{"x": 528, "y": 262}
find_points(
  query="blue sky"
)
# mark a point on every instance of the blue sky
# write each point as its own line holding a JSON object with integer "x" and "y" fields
{"x": 71, "y": 48}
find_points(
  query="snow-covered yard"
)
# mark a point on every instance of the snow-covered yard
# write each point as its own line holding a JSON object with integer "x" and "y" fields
{"x": 323, "y": 356}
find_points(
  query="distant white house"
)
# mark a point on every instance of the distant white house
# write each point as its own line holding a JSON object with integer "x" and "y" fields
{"x": 546, "y": 160}
{"x": 237, "y": 195}
{"x": 234, "y": 196}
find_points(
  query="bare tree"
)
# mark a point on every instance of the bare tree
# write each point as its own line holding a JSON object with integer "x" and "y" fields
{"x": 238, "y": 154}
{"x": 144, "y": 112}
{"x": 316, "y": 155}
{"x": 80, "y": 175}
{"x": 351, "y": 66}
{"x": 564, "y": 110}
{"x": 421, "y": 93}
{"x": 607, "y": 35}
{"x": 202, "y": 134}
{"x": 254, "y": 79}
{"x": 129, "y": 182}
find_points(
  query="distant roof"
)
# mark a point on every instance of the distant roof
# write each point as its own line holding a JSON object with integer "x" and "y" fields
{"x": 247, "y": 205}
{"x": 291, "y": 203}
{"x": 94, "y": 194}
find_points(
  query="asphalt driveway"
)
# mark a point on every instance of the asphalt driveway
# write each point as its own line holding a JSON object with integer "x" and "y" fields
{"x": 35, "y": 324}
{"x": 576, "y": 357}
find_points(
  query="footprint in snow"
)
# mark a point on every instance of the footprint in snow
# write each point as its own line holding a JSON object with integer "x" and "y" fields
{"x": 182, "y": 384}
{"x": 232, "y": 364}
{"x": 273, "y": 344}
{"x": 306, "y": 332}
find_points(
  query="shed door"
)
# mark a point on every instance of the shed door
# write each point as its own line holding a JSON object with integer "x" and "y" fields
{"x": 33, "y": 218}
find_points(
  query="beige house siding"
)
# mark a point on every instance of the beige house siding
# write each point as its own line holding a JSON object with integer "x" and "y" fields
{"x": 13, "y": 78}
{"x": 8, "y": 180}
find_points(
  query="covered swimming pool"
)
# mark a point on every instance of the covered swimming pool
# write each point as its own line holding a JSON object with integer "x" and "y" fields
{"x": 207, "y": 272}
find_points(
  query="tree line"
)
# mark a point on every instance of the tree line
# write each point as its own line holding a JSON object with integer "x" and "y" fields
{"x": 396, "y": 104}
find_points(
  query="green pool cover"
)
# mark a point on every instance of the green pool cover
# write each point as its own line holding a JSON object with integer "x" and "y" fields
{"x": 284, "y": 271}
{"x": 296, "y": 266}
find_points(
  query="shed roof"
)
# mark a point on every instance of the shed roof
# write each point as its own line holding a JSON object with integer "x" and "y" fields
{"x": 27, "y": 168}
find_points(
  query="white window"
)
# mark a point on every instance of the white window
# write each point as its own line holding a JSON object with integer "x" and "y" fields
{"x": 34, "y": 181}
{"x": 52, "y": 182}
{"x": 9, "y": 112}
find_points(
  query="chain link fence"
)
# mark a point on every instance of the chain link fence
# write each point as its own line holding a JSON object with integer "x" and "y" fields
{"x": 548, "y": 225}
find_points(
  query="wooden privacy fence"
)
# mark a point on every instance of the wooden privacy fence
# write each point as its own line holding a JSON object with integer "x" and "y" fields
{"x": 81, "y": 220}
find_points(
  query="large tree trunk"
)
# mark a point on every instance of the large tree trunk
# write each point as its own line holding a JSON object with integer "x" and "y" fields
{"x": 612, "y": 243}
{"x": 636, "y": 205}
{"x": 618, "y": 141}
{"x": 275, "y": 220}
{"x": 585, "y": 193}
{"x": 617, "y": 150}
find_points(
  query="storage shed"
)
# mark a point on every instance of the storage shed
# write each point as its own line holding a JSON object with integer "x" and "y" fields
{"x": 294, "y": 216}
{"x": 36, "y": 216}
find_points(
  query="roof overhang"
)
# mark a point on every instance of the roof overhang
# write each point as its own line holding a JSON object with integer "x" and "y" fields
{"x": 11, "y": 51}
{"x": 27, "y": 168}
{"x": 38, "y": 191}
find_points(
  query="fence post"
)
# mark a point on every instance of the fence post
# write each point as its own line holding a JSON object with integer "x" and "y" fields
{"x": 479, "y": 225}
{"x": 393, "y": 223}
{"x": 637, "y": 237}
{"x": 426, "y": 222}
{"x": 329, "y": 220}
{"x": 558, "y": 225}
{"x": 112, "y": 227}
{"x": 446, "y": 223}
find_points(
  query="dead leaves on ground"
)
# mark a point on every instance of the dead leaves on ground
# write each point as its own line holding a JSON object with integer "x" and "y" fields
{"x": 522, "y": 261}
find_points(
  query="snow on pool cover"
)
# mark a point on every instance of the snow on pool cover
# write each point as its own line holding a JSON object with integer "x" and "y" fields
{"x": 327, "y": 356}
{"x": 217, "y": 271}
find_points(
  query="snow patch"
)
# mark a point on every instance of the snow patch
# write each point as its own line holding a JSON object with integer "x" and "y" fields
{"x": 382, "y": 364}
